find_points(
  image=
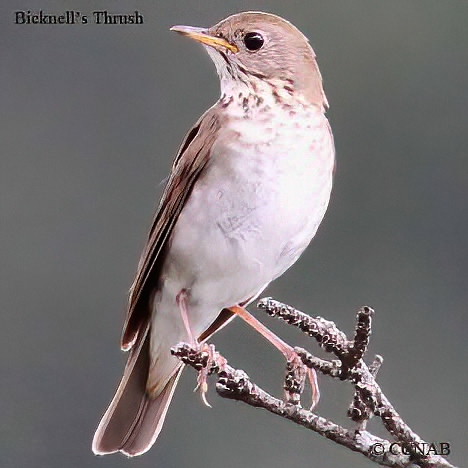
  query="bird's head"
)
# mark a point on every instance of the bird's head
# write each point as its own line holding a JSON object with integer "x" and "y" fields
{"x": 254, "y": 48}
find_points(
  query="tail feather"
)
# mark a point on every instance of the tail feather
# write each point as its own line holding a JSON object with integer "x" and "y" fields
{"x": 134, "y": 419}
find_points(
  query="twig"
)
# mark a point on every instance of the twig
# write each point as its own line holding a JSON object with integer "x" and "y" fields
{"x": 403, "y": 449}
{"x": 358, "y": 410}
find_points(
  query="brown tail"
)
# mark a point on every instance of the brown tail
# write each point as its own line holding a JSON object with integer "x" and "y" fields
{"x": 133, "y": 420}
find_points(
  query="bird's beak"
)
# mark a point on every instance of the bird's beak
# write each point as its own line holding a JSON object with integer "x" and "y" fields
{"x": 203, "y": 36}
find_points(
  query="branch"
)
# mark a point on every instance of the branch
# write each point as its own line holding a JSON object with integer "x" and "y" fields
{"x": 404, "y": 448}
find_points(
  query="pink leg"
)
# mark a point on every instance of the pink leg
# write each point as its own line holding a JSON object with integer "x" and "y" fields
{"x": 276, "y": 341}
{"x": 202, "y": 384}
{"x": 287, "y": 351}
{"x": 312, "y": 374}
{"x": 182, "y": 302}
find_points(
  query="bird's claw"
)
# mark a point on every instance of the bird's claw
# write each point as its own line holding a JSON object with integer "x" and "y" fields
{"x": 296, "y": 374}
{"x": 202, "y": 378}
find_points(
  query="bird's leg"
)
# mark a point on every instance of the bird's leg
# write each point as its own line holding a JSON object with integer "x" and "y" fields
{"x": 275, "y": 340}
{"x": 182, "y": 303}
{"x": 287, "y": 350}
{"x": 202, "y": 384}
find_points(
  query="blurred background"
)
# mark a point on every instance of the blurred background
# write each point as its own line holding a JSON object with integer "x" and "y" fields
{"x": 91, "y": 117}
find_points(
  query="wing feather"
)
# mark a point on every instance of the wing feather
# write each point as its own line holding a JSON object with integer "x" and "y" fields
{"x": 192, "y": 158}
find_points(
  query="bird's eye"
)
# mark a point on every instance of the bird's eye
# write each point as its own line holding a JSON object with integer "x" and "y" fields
{"x": 253, "y": 41}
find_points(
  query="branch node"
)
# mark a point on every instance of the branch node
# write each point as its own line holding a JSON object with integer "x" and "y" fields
{"x": 331, "y": 368}
{"x": 325, "y": 332}
{"x": 376, "y": 365}
{"x": 362, "y": 332}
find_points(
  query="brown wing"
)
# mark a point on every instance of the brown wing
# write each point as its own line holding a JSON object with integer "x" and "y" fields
{"x": 192, "y": 157}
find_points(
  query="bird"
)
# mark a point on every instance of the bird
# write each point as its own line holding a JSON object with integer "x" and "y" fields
{"x": 248, "y": 189}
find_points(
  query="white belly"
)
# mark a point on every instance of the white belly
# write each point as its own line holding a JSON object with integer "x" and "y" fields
{"x": 248, "y": 219}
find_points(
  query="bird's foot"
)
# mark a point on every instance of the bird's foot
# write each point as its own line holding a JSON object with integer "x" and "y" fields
{"x": 294, "y": 382}
{"x": 204, "y": 359}
{"x": 296, "y": 371}
{"x": 211, "y": 360}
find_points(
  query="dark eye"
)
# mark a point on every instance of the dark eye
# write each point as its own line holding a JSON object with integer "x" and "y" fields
{"x": 253, "y": 40}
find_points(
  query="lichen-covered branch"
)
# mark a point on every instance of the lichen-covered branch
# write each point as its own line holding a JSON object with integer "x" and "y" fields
{"x": 404, "y": 448}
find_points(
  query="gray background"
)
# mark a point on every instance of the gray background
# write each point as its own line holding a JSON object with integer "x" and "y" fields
{"x": 90, "y": 119}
